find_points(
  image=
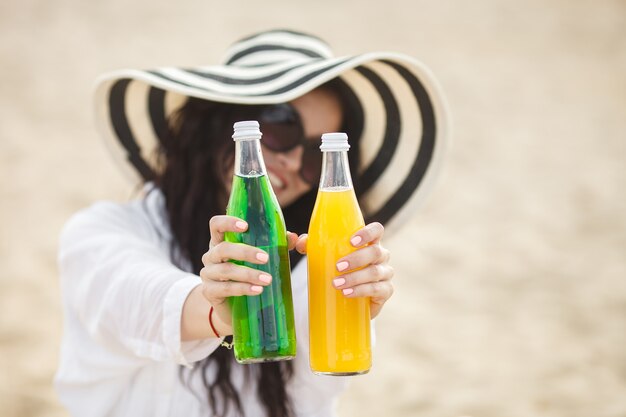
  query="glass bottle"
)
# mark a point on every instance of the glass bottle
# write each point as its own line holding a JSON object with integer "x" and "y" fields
{"x": 339, "y": 327}
{"x": 263, "y": 325}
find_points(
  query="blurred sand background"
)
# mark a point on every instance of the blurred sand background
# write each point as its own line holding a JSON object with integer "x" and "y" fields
{"x": 510, "y": 282}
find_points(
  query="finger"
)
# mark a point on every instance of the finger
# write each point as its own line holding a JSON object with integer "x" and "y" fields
{"x": 379, "y": 291}
{"x": 218, "y": 225}
{"x": 229, "y": 271}
{"x": 372, "y": 273}
{"x": 292, "y": 239}
{"x": 226, "y": 251}
{"x": 301, "y": 243}
{"x": 215, "y": 291}
{"x": 372, "y": 233}
{"x": 374, "y": 254}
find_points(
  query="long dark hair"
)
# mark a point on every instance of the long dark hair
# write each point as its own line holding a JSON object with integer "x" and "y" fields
{"x": 193, "y": 157}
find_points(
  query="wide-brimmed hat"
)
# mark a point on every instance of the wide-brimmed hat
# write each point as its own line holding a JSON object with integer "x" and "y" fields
{"x": 402, "y": 120}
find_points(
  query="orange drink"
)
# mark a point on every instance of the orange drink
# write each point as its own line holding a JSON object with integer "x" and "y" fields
{"x": 339, "y": 327}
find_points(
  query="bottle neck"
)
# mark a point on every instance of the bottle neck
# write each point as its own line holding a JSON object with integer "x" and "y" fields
{"x": 248, "y": 158}
{"x": 335, "y": 171}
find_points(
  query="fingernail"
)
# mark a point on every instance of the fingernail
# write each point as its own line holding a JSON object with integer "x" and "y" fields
{"x": 347, "y": 291}
{"x": 339, "y": 282}
{"x": 356, "y": 240}
{"x": 256, "y": 288}
{"x": 263, "y": 257}
{"x": 342, "y": 265}
{"x": 241, "y": 225}
{"x": 265, "y": 278}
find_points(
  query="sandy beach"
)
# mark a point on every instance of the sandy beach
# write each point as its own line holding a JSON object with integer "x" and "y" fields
{"x": 510, "y": 281}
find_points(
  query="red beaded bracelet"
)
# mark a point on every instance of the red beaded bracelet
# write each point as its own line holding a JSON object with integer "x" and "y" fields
{"x": 224, "y": 343}
{"x": 211, "y": 323}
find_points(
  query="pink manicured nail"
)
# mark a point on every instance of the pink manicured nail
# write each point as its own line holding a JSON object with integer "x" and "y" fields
{"x": 356, "y": 240}
{"x": 265, "y": 278}
{"x": 339, "y": 282}
{"x": 241, "y": 225}
{"x": 347, "y": 291}
{"x": 256, "y": 288}
{"x": 263, "y": 257}
{"x": 341, "y": 266}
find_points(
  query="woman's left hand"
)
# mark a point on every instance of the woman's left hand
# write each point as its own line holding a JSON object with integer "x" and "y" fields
{"x": 374, "y": 278}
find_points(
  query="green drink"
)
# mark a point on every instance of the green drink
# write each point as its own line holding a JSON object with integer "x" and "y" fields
{"x": 263, "y": 325}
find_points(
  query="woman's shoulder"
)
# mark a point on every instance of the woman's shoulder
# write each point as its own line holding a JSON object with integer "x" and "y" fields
{"x": 106, "y": 213}
{"x": 144, "y": 214}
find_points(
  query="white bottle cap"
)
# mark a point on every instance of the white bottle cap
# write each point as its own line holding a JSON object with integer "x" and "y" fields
{"x": 334, "y": 142}
{"x": 247, "y": 130}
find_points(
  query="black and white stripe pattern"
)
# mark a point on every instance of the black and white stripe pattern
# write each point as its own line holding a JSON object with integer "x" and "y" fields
{"x": 403, "y": 109}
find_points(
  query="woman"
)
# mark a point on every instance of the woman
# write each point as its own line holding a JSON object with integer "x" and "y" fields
{"x": 139, "y": 279}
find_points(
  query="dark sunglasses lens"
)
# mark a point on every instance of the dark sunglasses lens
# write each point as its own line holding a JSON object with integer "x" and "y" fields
{"x": 311, "y": 164}
{"x": 281, "y": 137}
{"x": 280, "y": 113}
{"x": 281, "y": 127}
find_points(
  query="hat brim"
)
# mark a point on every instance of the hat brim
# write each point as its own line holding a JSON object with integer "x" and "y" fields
{"x": 404, "y": 116}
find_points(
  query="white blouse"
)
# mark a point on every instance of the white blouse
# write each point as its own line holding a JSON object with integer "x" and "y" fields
{"x": 122, "y": 300}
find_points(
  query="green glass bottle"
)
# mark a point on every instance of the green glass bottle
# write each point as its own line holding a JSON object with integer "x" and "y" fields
{"x": 263, "y": 325}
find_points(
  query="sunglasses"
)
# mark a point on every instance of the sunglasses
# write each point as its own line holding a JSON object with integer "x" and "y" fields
{"x": 283, "y": 131}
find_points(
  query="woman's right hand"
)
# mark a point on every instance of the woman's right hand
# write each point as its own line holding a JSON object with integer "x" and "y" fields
{"x": 222, "y": 279}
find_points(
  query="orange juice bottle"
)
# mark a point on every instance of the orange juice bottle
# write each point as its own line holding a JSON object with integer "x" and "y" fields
{"x": 339, "y": 327}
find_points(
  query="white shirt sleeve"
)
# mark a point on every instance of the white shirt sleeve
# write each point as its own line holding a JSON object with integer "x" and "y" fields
{"x": 122, "y": 293}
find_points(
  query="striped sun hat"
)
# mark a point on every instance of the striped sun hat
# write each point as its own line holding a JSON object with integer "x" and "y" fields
{"x": 402, "y": 120}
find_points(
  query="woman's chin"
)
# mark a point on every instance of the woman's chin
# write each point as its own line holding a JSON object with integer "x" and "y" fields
{"x": 285, "y": 197}
{"x": 289, "y": 195}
